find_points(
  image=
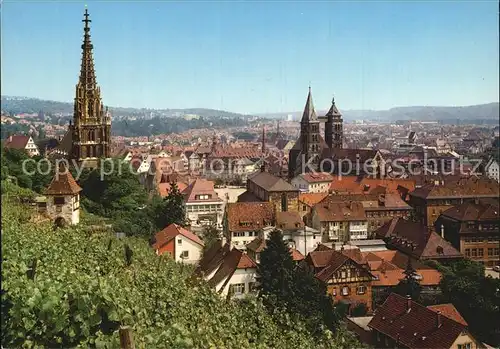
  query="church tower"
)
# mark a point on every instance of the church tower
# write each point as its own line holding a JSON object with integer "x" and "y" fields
{"x": 334, "y": 127}
{"x": 91, "y": 129}
{"x": 309, "y": 138}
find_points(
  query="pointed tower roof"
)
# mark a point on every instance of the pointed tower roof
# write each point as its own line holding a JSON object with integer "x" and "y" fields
{"x": 63, "y": 183}
{"x": 87, "y": 73}
{"x": 309, "y": 114}
{"x": 333, "y": 109}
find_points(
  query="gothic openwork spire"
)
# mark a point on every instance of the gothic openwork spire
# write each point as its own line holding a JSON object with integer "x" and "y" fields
{"x": 87, "y": 72}
{"x": 91, "y": 129}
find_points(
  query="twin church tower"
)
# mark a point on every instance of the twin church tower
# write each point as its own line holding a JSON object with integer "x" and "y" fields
{"x": 310, "y": 147}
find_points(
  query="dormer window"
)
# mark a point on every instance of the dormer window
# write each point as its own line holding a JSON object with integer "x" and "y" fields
{"x": 203, "y": 197}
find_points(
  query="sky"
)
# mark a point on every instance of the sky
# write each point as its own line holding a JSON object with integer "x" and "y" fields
{"x": 256, "y": 56}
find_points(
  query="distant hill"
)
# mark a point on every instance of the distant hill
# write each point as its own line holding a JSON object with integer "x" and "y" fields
{"x": 482, "y": 112}
{"x": 18, "y": 105}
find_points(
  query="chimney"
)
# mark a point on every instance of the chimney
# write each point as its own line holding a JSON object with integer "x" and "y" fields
{"x": 439, "y": 323}
{"x": 408, "y": 302}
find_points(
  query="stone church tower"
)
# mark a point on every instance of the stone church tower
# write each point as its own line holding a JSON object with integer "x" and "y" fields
{"x": 308, "y": 147}
{"x": 91, "y": 128}
{"x": 333, "y": 127}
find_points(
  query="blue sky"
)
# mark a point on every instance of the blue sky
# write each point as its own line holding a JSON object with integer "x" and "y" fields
{"x": 254, "y": 57}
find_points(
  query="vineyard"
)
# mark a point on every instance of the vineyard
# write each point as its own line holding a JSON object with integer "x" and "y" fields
{"x": 70, "y": 288}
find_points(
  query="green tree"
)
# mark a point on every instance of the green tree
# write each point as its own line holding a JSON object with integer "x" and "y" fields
{"x": 169, "y": 210}
{"x": 276, "y": 271}
{"x": 409, "y": 285}
{"x": 210, "y": 235}
{"x": 283, "y": 285}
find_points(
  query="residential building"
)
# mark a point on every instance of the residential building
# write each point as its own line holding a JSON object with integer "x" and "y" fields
{"x": 312, "y": 182}
{"x": 203, "y": 206}
{"x": 229, "y": 271}
{"x": 22, "y": 142}
{"x": 179, "y": 243}
{"x": 347, "y": 278}
{"x": 473, "y": 229}
{"x": 379, "y": 208}
{"x": 432, "y": 199}
{"x": 340, "y": 221}
{"x": 416, "y": 240}
{"x": 243, "y": 221}
{"x": 403, "y": 323}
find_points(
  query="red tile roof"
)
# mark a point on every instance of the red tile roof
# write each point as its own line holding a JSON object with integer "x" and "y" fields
{"x": 311, "y": 199}
{"x": 17, "y": 142}
{"x": 249, "y": 216}
{"x": 170, "y": 232}
{"x": 356, "y": 185}
{"x": 164, "y": 188}
{"x": 289, "y": 220}
{"x": 296, "y": 255}
{"x": 317, "y": 177}
{"x": 413, "y": 325}
{"x": 339, "y": 258}
{"x": 471, "y": 211}
{"x": 63, "y": 183}
{"x": 200, "y": 187}
{"x": 449, "y": 311}
{"x": 414, "y": 239}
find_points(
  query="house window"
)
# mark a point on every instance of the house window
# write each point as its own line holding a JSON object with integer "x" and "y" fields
{"x": 304, "y": 208}
{"x": 345, "y": 290}
{"x": 334, "y": 291}
{"x": 343, "y": 274}
{"x": 490, "y": 252}
{"x": 465, "y": 346}
{"x": 237, "y": 289}
{"x": 179, "y": 241}
{"x": 480, "y": 252}
{"x": 474, "y": 252}
{"x": 59, "y": 200}
{"x": 361, "y": 290}
{"x": 185, "y": 254}
{"x": 497, "y": 251}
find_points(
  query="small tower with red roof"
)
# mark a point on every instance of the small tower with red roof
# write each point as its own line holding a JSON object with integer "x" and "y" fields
{"x": 63, "y": 198}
